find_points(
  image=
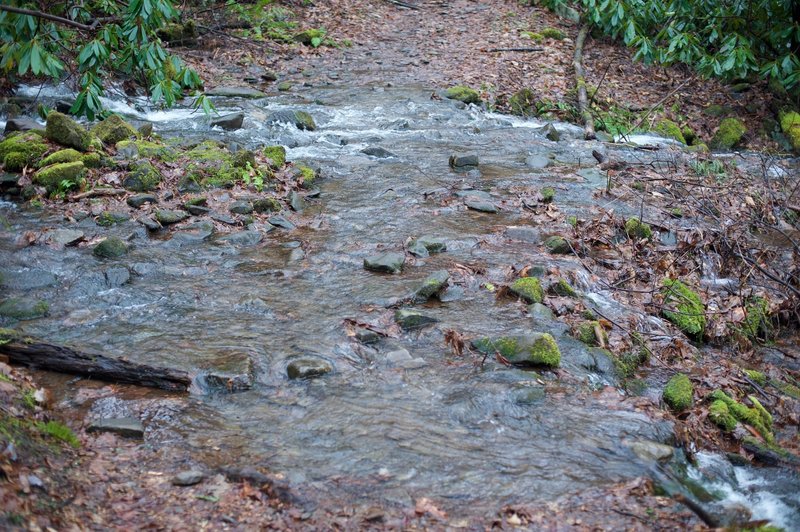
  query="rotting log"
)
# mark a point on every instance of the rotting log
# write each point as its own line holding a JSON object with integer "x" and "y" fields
{"x": 33, "y": 353}
{"x": 580, "y": 84}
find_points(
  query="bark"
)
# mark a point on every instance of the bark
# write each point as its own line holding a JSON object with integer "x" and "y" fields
{"x": 580, "y": 84}
{"x": 48, "y": 16}
{"x": 32, "y": 353}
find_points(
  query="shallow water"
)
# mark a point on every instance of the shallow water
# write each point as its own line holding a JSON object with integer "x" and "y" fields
{"x": 472, "y": 436}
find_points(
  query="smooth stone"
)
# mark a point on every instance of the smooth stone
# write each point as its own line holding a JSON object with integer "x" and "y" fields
{"x": 550, "y": 133}
{"x": 230, "y": 371}
{"x": 197, "y": 210}
{"x": 297, "y": 202}
{"x": 110, "y": 248}
{"x": 523, "y": 234}
{"x": 188, "y": 478}
{"x": 65, "y": 237}
{"x": 377, "y": 151}
{"x": 537, "y": 162}
{"x": 418, "y": 250}
{"x": 125, "y": 426}
{"x": 241, "y": 207}
{"x": 21, "y": 124}
{"x": 300, "y": 119}
{"x": 193, "y": 233}
{"x": 167, "y": 217}
{"x": 432, "y": 285}
{"x": 538, "y": 311}
{"x": 263, "y": 205}
{"x": 235, "y": 92}
{"x": 109, "y": 218}
{"x": 117, "y": 276}
{"x": 137, "y": 200}
{"x": 306, "y": 368}
{"x": 149, "y": 223}
{"x": 280, "y": 221}
{"x": 391, "y": 262}
{"x": 367, "y": 336}
{"x": 650, "y": 450}
{"x": 432, "y": 243}
{"x": 412, "y": 319}
{"x": 558, "y": 245}
{"x": 242, "y": 238}
{"x": 452, "y": 293}
{"x": 414, "y": 363}
{"x": 397, "y": 356}
{"x": 481, "y": 205}
{"x": 9, "y": 180}
{"x": 229, "y": 122}
{"x": 27, "y": 279}
{"x": 460, "y": 161}
{"x": 223, "y": 218}
{"x": 476, "y": 194}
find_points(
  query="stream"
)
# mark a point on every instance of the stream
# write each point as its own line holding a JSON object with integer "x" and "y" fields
{"x": 374, "y": 430}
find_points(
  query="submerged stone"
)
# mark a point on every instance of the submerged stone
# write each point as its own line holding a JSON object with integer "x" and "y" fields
{"x": 126, "y": 427}
{"x": 538, "y": 349}
{"x": 377, "y": 151}
{"x": 23, "y": 308}
{"x": 412, "y": 319}
{"x": 307, "y": 368}
{"x": 110, "y": 248}
{"x": 391, "y": 262}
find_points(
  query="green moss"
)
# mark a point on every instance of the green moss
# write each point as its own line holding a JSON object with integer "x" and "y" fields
{"x": 62, "y": 156}
{"x": 303, "y": 120}
{"x": 553, "y": 33}
{"x": 719, "y": 414}
{"x": 307, "y": 174}
{"x": 627, "y": 363}
{"x": 108, "y": 218}
{"x": 756, "y": 323}
{"x": 700, "y": 147}
{"x": 92, "y": 160}
{"x": 266, "y": 205}
{"x": 684, "y": 308}
{"x": 114, "y": 129}
{"x": 716, "y": 110}
{"x": 790, "y": 125}
{"x": 63, "y": 130}
{"x": 563, "y": 288}
{"x": 689, "y": 135}
{"x": 635, "y": 228}
{"x": 677, "y": 212}
{"x": 586, "y": 333}
{"x": 307, "y": 37}
{"x": 757, "y": 417}
{"x": 548, "y": 194}
{"x": 558, "y": 245}
{"x": 670, "y": 130}
{"x": 463, "y": 94}
{"x": 523, "y": 103}
{"x": 532, "y": 35}
{"x": 756, "y": 376}
{"x": 729, "y": 134}
{"x": 787, "y": 388}
{"x": 242, "y": 158}
{"x": 59, "y": 431}
{"x": 147, "y": 149}
{"x": 572, "y": 220}
{"x": 27, "y": 145}
{"x": 23, "y": 309}
{"x": 15, "y": 162}
{"x": 142, "y": 177}
{"x": 678, "y": 392}
{"x": 110, "y": 248}
{"x": 276, "y": 156}
{"x": 538, "y": 349}
{"x": 528, "y": 288}
{"x": 52, "y": 176}
{"x": 545, "y": 351}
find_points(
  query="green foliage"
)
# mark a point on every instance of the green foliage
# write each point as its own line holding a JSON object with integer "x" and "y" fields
{"x": 757, "y": 416}
{"x": 276, "y": 156}
{"x": 587, "y": 332}
{"x": 729, "y": 40}
{"x": 126, "y": 43}
{"x": 548, "y": 194}
{"x": 790, "y": 125}
{"x": 60, "y": 432}
{"x": 709, "y": 167}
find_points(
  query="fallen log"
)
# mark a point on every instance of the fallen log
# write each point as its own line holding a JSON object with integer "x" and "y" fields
{"x": 33, "y": 353}
{"x": 580, "y": 84}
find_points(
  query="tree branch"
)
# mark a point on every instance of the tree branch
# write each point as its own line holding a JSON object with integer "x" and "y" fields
{"x": 48, "y": 16}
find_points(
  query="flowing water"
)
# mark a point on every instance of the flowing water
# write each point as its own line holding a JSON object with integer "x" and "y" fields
{"x": 472, "y": 436}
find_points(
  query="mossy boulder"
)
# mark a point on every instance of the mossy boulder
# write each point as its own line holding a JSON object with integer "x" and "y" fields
{"x": 109, "y": 218}
{"x": 92, "y": 160}
{"x": 276, "y": 156}
{"x": 523, "y": 103}
{"x": 756, "y": 322}
{"x": 528, "y": 288}
{"x": 637, "y": 229}
{"x": 409, "y": 319}
{"x": 790, "y": 125}
{"x": 463, "y": 94}
{"x": 52, "y": 176}
{"x": 179, "y": 34}
{"x": 110, "y": 248}
{"x": 63, "y": 130}
{"x": 670, "y": 130}
{"x": 23, "y": 308}
{"x": 684, "y": 308}
{"x": 114, "y": 129}
{"x": 243, "y": 158}
{"x": 307, "y": 175}
{"x": 142, "y": 177}
{"x": 558, "y": 245}
{"x": 28, "y": 148}
{"x": 211, "y": 165}
{"x": 537, "y": 349}
{"x": 62, "y": 156}
{"x": 678, "y": 392}
{"x": 755, "y": 416}
{"x": 562, "y": 288}
{"x": 309, "y": 37}
{"x": 719, "y": 414}
{"x": 130, "y": 149}
{"x": 587, "y": 333}
{"x": 728, "y": 135}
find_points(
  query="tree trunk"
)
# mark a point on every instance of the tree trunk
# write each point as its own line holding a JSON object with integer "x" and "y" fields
{"x": 580, "y": 84}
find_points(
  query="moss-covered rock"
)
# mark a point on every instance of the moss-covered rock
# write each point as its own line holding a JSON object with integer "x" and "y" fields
{"x": 562, "y": 288}
{"x": 678, "y": 392}
{"x": 670, "y": 130}
{"x": 52, "y": 176}
{"x": 142, "y": 177}
{"x": 109, "y": 218}
{"x": 28, "y": 146}
{"x": 548, "y": 194}
{"x": 728, "y": 135}
{"x": 130, "y": 149}
{"x": 553, "y": 33}
{"x": 92, "y": 160}
{"x": 558, "y": 245}
{"x": 523, "y": 103}
{"x": 532, "y": 35}
{"x": 790, "y": 125}
{"x": 309, "y": 37}
{"x": 463, "y": 94}
{"x": 719, "y": 414}
{"x": 114, "y": 129}
{"x": 757, "y": 416}
{"x": 635, "y": 228}
{"x": 63, "y": 130}
{"x": 23, "y": 308}
{"x": 538, "y": 349}
{"x": 756, "y": 323}
{"x": 684, "y": 308}
{"x": 304, "y": 121}
{"x": 756, "y": 376}
{"x": 211, "y": 165}
{"x": 587, "y": 333}
{"x": 276, "y": 156}
{"x": 62, "y": 156}
{"x": 307, "y": 175}
{"x": 179, "y": 34}
{"x": 243, "y": 158}
{"x": 270, "y": 204}
{"x": 110, "y": 248}
{"x": 528, "y": 288}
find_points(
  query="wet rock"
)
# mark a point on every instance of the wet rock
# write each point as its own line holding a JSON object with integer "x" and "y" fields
{"x": 480, "y": 205}
{"x": 284, "y": 86}
{"x": 418, "y": 250}
{"x": 188, "y": 478}
{"x": 65, "y": 237}
{"x": 300, "y": 119}
{"x": 20, "y": 124}
{"x": 398, "y": 356}
{"x": 223, "y": 218}
{"x": 117, "y": 276}
{"x": 537, "y": 162}
{"x": 550, "y": 132}
{"x": 558, "y": 245}
{"x": 109, "y": 218}
{"x": 137, "y": 200}
{"x": 414, "y": 363}
{"x": 412, "y": 319}
{"x": 126, "y": 427}
{"x": 242, "y": 238}
{"x": 145, "y": 130}
{"x": 651, "y": 451}
{"x": 297, "y": 254}
{"x": 539, "y": 312}
{"x": 367, "y": 336}
{"x": 229, "y": 122}
{"x": 142, "y": 177}
{"x": 114, "y": 129}
{"x": 377, "y": 151}
{"x": 235, "y": 92}
{"x": 432, "y": 285}
{"x": 63, "y": 130}
{"x": 280, "y": 221}
{"x": 523, "y": 234}
{"x": 197, "y": 210}
{"x": 241, "y": 207}
{"x": 538, "y": 349}
{"x": 167, "y": 217}
{"x": 263, "y": 205}
{"x": 451, "y": 293}
{"x": 230, "y": 371}
{"x": 476, "y": 194}
{"x": 461, "y": 161}
{"x": 8, "y": 180}
{"x": 149, "y": 223}
{"x": 20, "y": 308}
{"x": 193, "y": 233}
{"x": 297, "y": 202}
{"x": 306, "y": 368}
{"x": 391, "y": 262}
{"x": 432, "y": 244}
{"x": 110, "y": 248}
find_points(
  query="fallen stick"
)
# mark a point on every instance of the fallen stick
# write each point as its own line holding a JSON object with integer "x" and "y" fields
{"x": 96, "y": 192}
{"x": 580, "y": 84}
{"x": 516, "y": 50}
{"x": 32, "y": 353}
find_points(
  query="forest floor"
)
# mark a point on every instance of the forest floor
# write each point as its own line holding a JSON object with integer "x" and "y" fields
{"x": 110, "y": 482}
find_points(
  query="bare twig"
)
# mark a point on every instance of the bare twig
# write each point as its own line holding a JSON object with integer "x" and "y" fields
{"x": 654, "y": 107}
{"x": 48, "y": 16}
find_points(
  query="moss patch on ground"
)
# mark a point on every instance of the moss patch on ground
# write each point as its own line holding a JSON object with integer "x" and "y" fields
{"x": 678, "y": 392}
{"x": 729, "y": 135}
{"x": 684, "y": 308}
{"x": 463, "y": 94}
{"x": 54, "y": 175}
{"x": 635, "y": 228}
{"x": 529, "y": 289}
{"x": 19, "y": 150}
{"x": 755, "y": 416}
